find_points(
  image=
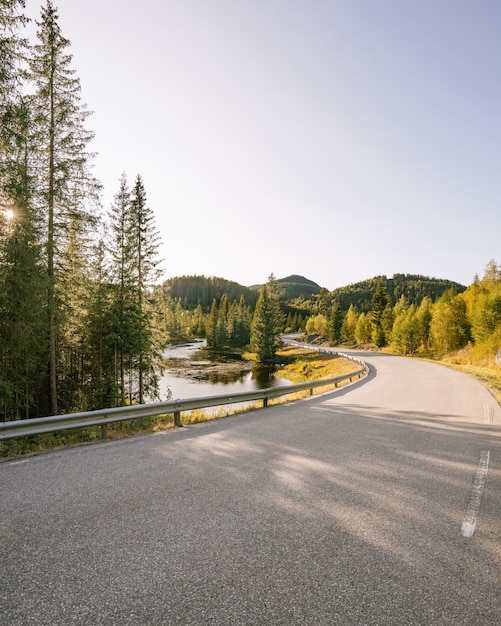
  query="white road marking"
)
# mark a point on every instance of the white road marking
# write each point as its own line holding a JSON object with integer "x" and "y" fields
{"x": 470, "y": 520}
{"x": 488, "y": 414}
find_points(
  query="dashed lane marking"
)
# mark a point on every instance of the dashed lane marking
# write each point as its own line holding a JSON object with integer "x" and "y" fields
{"x": 477, "y": 488}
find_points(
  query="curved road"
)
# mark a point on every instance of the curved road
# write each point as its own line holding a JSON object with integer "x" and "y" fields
{"x": 376, "y": 504}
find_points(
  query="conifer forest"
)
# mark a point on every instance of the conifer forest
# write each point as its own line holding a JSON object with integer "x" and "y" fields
{"x": 85, "y": 313}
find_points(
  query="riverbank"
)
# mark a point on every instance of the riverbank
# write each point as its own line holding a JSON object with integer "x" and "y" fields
{"x": 297, "y": 365}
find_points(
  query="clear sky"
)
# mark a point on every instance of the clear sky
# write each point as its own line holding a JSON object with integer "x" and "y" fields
{"x": 336, "y": 139}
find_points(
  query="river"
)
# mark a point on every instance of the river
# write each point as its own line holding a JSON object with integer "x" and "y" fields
{"x": 193, "y": 372}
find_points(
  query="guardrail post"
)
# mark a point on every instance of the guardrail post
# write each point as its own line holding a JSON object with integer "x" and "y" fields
{"x": 177, "y": 418}
{"x": 265, "y": 401}
{"x": 104, "y": 431}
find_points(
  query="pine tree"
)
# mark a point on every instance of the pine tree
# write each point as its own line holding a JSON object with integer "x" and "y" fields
{"x": 121, "y": 276}
{"x": 211, "y": 326}
{"x": 380, "y": 301}
{"x": 22, "y": 316}
{"x": 134, "y": 245}
{"x": 145, "y": 241}
{"x": 99, "y": 337}
{"x": 267, "y": 323}
{"x": 242, "y": 323}
{"x": 66, "y": 189}
{"x": 12, "y": 47}
{"x": 222, "y": 322}
{"x": 335, "y": 324}
{"x": 324, "y": 302}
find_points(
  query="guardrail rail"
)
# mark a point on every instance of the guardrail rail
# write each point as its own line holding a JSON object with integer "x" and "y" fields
{"x": 103, "y": 417}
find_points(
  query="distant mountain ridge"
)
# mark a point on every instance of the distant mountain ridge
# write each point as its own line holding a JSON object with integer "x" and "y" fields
{"x": 301, "y": 292}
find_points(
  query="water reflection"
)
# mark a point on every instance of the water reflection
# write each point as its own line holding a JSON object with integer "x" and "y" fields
{"x": 192, "y": 371}
{"x": 264, "y": 375}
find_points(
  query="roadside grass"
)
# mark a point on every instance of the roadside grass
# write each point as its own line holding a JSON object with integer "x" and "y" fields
{"x": 297, "y": 365}
{"x": 301, "y": 365}
{"x": 48, "y": 442}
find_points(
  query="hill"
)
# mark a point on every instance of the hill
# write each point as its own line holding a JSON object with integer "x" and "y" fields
{"x": 294, "y": 286}
{"x": 192, "y": 291}
{"x": 302, "y": 293}
{"x": 414, "y": 287}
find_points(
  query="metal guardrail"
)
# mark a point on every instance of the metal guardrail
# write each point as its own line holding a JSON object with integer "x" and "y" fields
{"x": 103, "y": 417}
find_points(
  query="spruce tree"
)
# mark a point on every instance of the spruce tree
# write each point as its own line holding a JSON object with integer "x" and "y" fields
{"x": 335, "y": 324}
{"x": 211, "y": 326}
{"x": 66, "y": 190}
{"x": 123, "y": 289}
{"x": 22, "y": 329}
{"x": 379, "y": 302}
{"x": 267, "y": 323}
{"x": 145, "y": 241}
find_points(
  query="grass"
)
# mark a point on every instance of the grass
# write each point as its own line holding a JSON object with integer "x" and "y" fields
{"x": 299, "y": 365}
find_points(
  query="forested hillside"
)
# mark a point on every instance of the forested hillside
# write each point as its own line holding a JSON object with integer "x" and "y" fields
{"x": 413, "y": 287}
{"x": 84, "y": 318}
{"x": 434, "y": 324}
{"x": 294, "y": 286}
{"x": 192, "y": 291}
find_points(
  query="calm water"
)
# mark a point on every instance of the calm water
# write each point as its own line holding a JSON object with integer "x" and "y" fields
{"x": 194, "y": 373}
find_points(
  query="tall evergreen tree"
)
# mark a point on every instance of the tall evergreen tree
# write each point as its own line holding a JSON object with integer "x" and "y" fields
{"x": 120, "y": 247}
{"x": 379, "y": 302}
{"x": 335, "y": 324}
{"x": 99, "y": 350}
{"x": 267, "y": 323}
{"x": 22, "y": 329}
{"x": 145, "y": 241}
{"x": 12, "y": 48}
{"x": 222, "y": 322}
{"x": 65, "y": 185}
{"x": 211, "y": 326}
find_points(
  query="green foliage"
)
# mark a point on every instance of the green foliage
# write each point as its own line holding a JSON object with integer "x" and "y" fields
{"x": 336, "y": 320}
{"x": 380, "y": 301}
{"x": 363, "y": 329}
{"x": 267, "y": 323}
{"x": 317, "y": 325}
{"x": 449, "y": 327}
{"x": 294, "y": 288}
{"x": 194, "y": 291}
{"x": 413, "y": 287}
{"x": 456, "y": 318}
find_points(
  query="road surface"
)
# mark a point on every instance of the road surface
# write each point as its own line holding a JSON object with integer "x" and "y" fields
{"x": 376, "y": 504}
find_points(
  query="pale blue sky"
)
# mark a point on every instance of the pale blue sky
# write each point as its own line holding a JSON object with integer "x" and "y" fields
{"x": 335, "y": 139}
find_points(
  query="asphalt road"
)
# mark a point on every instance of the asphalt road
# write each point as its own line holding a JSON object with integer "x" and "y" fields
{"x": 374, "y": 504}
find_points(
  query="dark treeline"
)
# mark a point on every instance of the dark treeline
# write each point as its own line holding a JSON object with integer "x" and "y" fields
{"x": 192, "y": 291}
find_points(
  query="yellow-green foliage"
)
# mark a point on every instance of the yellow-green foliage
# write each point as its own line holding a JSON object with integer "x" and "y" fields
{"x": 317, "y": 325}
{"x": 304, "y": 365}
